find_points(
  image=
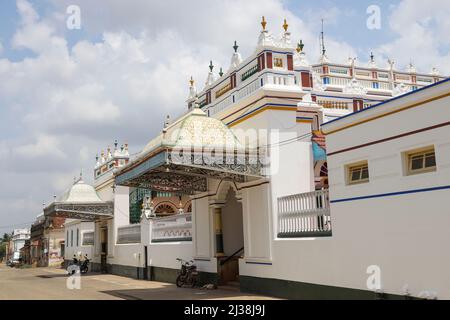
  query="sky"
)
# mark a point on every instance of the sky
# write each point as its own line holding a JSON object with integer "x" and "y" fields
{"x": 66, "y": 94}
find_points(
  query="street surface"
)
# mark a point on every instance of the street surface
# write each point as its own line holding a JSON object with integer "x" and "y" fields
{"x": 50, "y": 284}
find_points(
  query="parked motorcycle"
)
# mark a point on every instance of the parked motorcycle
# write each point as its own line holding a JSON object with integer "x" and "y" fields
{"x": 83, "y": 266}
{"x": 188, "y": 274}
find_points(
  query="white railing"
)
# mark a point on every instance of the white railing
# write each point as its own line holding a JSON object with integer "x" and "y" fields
{"x": 304, "y": 215}
{"x": 173, "y": 228}
{"x": 129, "y": 234}
{"x": 342, "y": 82}
{"x": 222, "y": 105}
{"x": 248, "y": 90}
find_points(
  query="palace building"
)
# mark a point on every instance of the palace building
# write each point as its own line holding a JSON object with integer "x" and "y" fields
{"x": 240, "y": 183}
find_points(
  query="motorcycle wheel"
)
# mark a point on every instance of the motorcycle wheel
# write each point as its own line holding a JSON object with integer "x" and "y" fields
{"x": 193, "y": 282}
{"x": 180, "y": 281}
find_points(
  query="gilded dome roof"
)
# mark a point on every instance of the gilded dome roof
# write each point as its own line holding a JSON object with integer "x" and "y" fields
{"x": 194, "y": 129}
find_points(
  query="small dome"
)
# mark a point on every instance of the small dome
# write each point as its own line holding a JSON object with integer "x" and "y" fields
{"x": 80, "y": 192}
{"x": 194, "y": 129}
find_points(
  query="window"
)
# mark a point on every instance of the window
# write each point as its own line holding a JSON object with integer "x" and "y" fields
{"x": 326, "y": 80}
{"x": 420, "y": 161}
{"x": 71, "y": 238}
{"x": 78, "y": 237}
{"x": 278, "y": 62}
{"x": 375, "y": 85}
{"x": 358, "y": 173}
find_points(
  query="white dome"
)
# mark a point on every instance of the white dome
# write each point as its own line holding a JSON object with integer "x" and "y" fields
{"x": 80, "y": 192}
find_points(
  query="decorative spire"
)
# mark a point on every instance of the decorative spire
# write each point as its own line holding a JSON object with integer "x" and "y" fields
{"x": 221, "y": 72}
{"x": 236, "y": 59}
{"x": 300, "y": 58}
{"x": 192, "y": 89}
{"x": 167, "y": 122}
{"x": 235, "y": 47}
{"x": 115, "y": 144}
{"x": 300, "y": 46}
{"x": 263, "y": 23}
{"x": 372, "y": 62}
{"x": 286, "y": 37}
{"x": 324, "y": 51}
{"x": 435, "y": 71}
{"x": 210, "y": 80}
{"x": 196, "y": 104}
{"x": 285, "y": 25}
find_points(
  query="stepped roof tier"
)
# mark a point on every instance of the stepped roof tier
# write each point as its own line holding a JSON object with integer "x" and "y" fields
{"x": 80, "y": 202}
{"x": 180, "y": 158}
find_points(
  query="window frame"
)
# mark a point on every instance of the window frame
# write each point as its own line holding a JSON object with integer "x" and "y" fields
{"x": 408, "y": 155}
{"x": 349, "y": 169}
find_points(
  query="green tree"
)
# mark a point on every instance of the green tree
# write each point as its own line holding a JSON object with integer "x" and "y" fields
{"x": 6, "y": 237}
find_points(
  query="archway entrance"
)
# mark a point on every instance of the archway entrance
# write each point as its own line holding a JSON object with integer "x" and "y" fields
{"x": 233, "y": 239}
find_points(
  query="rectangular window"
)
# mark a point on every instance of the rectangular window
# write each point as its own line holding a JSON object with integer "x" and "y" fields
{"x": 358, "y": 173}
{"x": 375, "y": 85}
{"x": 420, "y": 161}
{"x": 326, "y": 80}
{"x": 71, "y": 238}
{"x": 78, "y": 237}
{"x": 278, "y": 62}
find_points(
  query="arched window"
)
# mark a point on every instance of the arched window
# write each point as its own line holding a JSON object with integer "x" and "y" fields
{"x": 164, "y": 209}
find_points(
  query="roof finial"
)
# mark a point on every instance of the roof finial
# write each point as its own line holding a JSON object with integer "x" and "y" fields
{"x": 300, "y": 46}
{"x": 372, "y": 57}
{"x": 285, "y": 25}
{"x": 324, "y": 51}
{"x": 263, "y": 23}
{"x": 81, "y": 173}
{"x": 191, "y": 81}
{"x": 116, "y": 143}
{"x": 235, "y": 47}
{"x": 211, "y": 66}
{"x": 167, "y": 122}
{"x": 221, "y": 72}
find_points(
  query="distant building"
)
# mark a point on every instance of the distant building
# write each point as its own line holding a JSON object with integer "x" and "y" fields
{"x": 47, "y": 241}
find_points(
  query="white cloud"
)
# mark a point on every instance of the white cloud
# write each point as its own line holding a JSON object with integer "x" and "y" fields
{"x": 44, "y": 145}
{"x": 422, "y": 28}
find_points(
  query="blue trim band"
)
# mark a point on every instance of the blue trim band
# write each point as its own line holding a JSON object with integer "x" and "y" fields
{"x": 392, "y": 194}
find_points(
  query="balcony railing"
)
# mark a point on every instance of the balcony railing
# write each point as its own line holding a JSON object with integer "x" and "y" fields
{"x": 247, "y": 74}
{"x": 173, "y": 228}
{"x": 304, "y": 215}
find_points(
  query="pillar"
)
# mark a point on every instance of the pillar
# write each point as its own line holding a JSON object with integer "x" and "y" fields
{"x": 217, "y": 210}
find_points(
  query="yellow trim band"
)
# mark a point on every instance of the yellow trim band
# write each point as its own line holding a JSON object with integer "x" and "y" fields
{"x": 389, "y": 113}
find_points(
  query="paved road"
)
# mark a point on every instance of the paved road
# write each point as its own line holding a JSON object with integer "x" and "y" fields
{"x": 50, "y": 284}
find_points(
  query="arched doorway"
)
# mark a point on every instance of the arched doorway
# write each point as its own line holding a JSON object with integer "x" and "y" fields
{"x": 233, "y": 238}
